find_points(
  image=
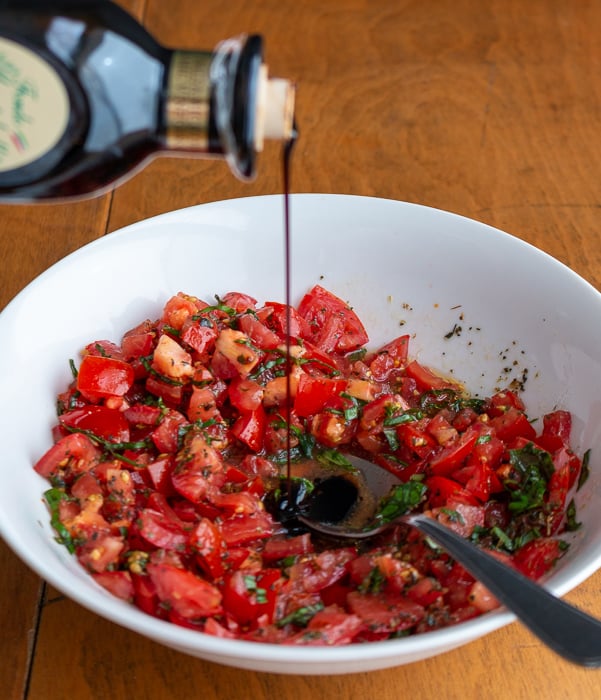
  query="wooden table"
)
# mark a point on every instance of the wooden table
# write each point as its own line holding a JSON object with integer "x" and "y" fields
{"x": 488, "y": 109}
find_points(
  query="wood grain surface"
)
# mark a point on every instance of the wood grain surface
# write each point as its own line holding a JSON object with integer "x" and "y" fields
{"x": 487, "y": 108}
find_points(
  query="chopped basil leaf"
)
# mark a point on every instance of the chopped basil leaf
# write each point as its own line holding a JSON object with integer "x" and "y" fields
{"x": 401, "y": 499}
{"x": 54, "y": 497}
{"x": 533, "y": 468}
{"x": 584, "y": 470}
{"x": 571, "y": 523}
{"x": 333, "y": 458}
{"x": 302, "y": 616}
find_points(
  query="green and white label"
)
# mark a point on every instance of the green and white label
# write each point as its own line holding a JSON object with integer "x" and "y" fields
{"x": 34, "y": 106}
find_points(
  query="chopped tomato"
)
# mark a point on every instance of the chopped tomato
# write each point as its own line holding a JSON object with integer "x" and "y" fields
{"x": 333, "y": 325}
{"x": 169, "y": 483}
{"x": 189, "y": 595}
{"x": 106, "y": 423}
{"x": 99, "y": 377}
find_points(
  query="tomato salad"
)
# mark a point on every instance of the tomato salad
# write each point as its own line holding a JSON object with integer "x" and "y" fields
{"x": 170, "y": 445}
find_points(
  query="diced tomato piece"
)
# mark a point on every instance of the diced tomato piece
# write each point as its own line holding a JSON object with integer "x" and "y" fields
{"x": 161, "y": 532}
{"x": 202, "y": 405}
{"x": 160, "y": 474}
{"x": 104, "y": 348}
{"x": 106, "y": 423}
{"x": 171, "y": 360}
{"x": 170, "y": 391}
{"x": 189, "y": 595}
{"x": 100, "y": 552}
{"x": 537, "y": 557}
{"x": 178, "y": 308}
{"x": 559, "y": 425}
{"x": 385, "y": 613}
{"x": 167, "y": 434}
{"x": 502, "y": 401}
{"x": 442, "y": 489}
{"x": 454, "y": 454}
{"x": 207, "y": 542}
{"x": 280, "y": 547}
{"x": 328, "y": 627}
{"x": 390, "y": 358}
{"x": 142, "y": 414}
{"x": 239, "y": 302}
{"x": 242, "y": 529}
{"x": 234, "y": 355}
{"x": 99, "y": 377}
{"x": 426, "y": 379}
{"x": 318, "y": 571}
{"x": 245, "y": 394}
{"x": 334, "y": 326}
{"x": 513, "y": 424}
{"x": 313, "y": 393}
{"x": 275, "y": 316}
{"x": 139, "y": 341}
{"x": 249, "y": 428}
{"x": 74, "y": 452}
{"x": 258, "y": 332}
{"x": 250, "y": 595}
{"x": 199, "y": 334}
{"x": 118, "y": 583}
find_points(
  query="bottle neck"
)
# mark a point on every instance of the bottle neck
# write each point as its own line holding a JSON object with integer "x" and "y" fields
{"x": 224, "y": 103}
{"x": 187, "y": 108}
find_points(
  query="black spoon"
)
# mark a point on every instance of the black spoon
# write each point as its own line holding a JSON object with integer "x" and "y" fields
{"x": 567, "y": 630}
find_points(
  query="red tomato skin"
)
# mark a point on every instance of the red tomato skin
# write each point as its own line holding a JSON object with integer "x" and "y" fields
{"x": 76, "y": 449}
{"x": 313, "y": 393}
{"x": 249, "y": 428}
{"x": 537, "y": 557}
{"x": 334, "y": 326}
{"x": 390, "y": 358}
{"x": 100, "y": 377}
{"x": 118, "y": 583}
{"x": 511, "y": 425}
{"x": 104, "y": 422}
{"x": 190, "y": 596}
{"x": 426, "y": 379}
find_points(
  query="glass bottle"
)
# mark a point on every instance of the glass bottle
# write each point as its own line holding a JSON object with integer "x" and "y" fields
{"x": 87, "y": 96}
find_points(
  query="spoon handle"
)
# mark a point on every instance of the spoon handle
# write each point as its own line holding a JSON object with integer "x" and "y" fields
{"x": 568, "y": 631}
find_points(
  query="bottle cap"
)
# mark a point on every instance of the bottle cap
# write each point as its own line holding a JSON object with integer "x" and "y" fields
{"x": 275, "y": 108}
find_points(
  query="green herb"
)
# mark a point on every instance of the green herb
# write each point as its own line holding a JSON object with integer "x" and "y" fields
{"x": 584, "y": 470}
{"x": 392, "y": 418}
{"x": 333, "y": 458}
{"x": 73, "y": 369}
{"x": 533, "y": 468}
{"x": 171, "y": 330}
{"x": 391, "y": 438}
{"x": 401, "y": 499}
{"x": 357, "y": 355}
{"x": 250, "y": 582}
{"x": 113, "y": 448}
{"x": 571, "y": 523}
{"x": 373, "y": 582}
{"x": 503, "y": 538}
{"x": 453, "y": 515}
{"x": 146, "y": 363}
{"x": 54, "y": 497}
{"x": 434, "y": 400}
{"x": 483, "y": 439}
{"x": 302, "y": 616}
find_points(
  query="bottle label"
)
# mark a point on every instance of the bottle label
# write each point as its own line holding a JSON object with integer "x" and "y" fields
{"x": 34, "y": 106}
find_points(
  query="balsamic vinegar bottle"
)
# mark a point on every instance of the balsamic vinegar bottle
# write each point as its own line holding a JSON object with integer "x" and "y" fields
{"x": 87, "y": 96}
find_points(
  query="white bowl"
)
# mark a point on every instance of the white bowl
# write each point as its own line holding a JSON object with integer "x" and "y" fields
{"x": 518, "y": 310}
